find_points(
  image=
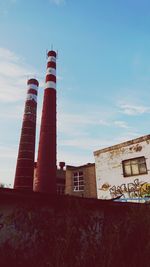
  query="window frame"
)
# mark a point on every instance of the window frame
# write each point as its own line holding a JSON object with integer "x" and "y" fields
{"x": 78, "y": 181}
{"x": 138, "y": 164}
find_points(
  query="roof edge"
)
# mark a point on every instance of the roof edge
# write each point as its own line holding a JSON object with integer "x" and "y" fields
{"x": 123, "y": 144}
{"x": 80, "y": 166}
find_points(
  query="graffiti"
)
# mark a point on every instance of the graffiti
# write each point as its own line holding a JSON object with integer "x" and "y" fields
{"x": 145, "y": 189}
{"x": 136, "y": 148}
{"x": 129, "y": 190}
{"x": 105, "y": 187}
{"x": 135, "y": 189}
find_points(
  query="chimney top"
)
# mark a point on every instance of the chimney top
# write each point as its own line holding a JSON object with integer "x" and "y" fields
{"x": 33, "y": 81}
{"x": 61, "y": 165}
{"x": 51, "y": 53}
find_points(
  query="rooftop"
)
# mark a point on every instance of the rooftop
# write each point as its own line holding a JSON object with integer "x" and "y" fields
{"x": 124, "y": 144}
{"x": 79, "y": 167}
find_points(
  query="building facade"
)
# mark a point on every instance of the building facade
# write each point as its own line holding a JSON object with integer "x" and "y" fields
{"x": 124, "y": 170}
{"x": 81, "y": 181}
{"x": 60, "y": 177}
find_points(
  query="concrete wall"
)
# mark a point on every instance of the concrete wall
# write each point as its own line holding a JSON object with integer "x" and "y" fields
{"x": 37, "y": 230}
{"x": 109, "y": 172}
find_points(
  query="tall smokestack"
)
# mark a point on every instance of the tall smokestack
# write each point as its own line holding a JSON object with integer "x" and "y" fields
{"x": 25, "y": 160}
{"x": 45, "y": 181}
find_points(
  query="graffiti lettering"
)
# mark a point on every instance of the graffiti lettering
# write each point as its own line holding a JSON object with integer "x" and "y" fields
{"x": 135, "y": 189}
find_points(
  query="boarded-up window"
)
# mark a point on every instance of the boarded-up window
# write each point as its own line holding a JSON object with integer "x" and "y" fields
{"x": 134, "y": 166}
{"x": 78, "y": 181}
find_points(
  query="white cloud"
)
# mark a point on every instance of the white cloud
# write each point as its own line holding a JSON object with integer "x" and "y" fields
{"x": 7, "y": 152}
{"x": 121, "y": 124}
{"x": 11, "y": 112}
{"x": 73, "y": 158}
{"x": 127, "y": 136}
{"x": 103, "y": 122}
{"x": 6, "y": 54}
{"x": 82, "y": 143}
{"x": 8, "y": 155}
{"x": 115, "y": 140}
{"x": 76, "y": 124}
{"x": 134, "y": 109}
{"x": 13, "y": 76}
{"x": 90, "y": 144}
{"x": 76, "y": 151}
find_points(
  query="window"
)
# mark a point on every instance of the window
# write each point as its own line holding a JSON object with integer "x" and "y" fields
{"x": 134, "y": 166}
{"x": 60, "y": 189}
{"x": 78, "y": 181}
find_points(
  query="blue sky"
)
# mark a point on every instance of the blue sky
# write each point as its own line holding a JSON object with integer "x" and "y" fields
{"x": 103, "y": 73}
